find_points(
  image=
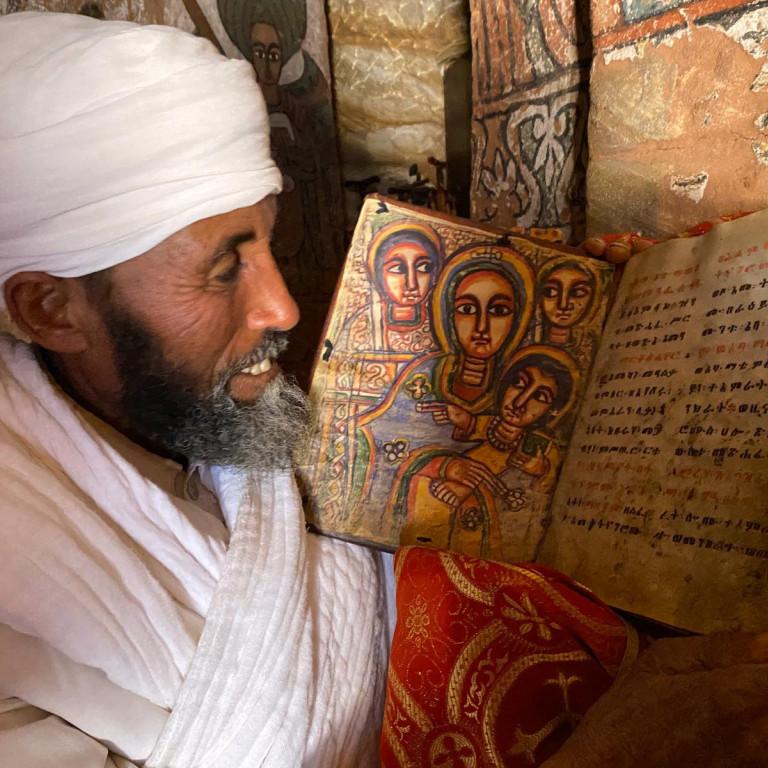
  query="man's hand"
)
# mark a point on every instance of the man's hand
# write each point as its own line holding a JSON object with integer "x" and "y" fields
{"x": 617, "y": 248}
{"x": 697, "y": 702}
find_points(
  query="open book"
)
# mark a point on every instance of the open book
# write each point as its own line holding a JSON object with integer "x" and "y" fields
{"x": 468, "y": 398}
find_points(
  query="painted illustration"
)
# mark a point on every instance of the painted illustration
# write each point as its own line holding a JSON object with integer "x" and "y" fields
{"x": 481, "y": 308}
{"x": 461, "y": 445}
{"x": 403, "y": 262}
{"x": 455, "y": 500}
{"x": 530, "y": 65}
{"x": 568, "y": 291}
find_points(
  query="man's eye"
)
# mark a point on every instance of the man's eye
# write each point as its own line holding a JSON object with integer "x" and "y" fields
{"x": 549, "y": 292}
{"x": 424, "y": 266}
{"x": 581, "y": 291}
{"x": 227, "y": 269}
{"x": 543, "y": 395}
{"x": 466, "y": 309}
{"x": 274, "y": 57}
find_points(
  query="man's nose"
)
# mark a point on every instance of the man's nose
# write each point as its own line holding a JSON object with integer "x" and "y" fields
{"x": 267, "y": 301}
{"x": 563, "y": 301}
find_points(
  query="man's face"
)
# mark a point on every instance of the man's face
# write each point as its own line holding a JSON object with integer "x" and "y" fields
{"x": 267, "y": 54}
{"x": 528, "y": 397}
{"x": 195, "y": 325}
{"x": 484, "y": 311}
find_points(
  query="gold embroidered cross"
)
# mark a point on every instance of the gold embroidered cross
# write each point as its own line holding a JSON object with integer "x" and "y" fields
{"x": 527, "y": 743}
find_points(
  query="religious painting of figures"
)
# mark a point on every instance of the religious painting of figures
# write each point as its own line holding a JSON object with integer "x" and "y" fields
{"x": 287, "y": 43}
{"x": 447, "y": 383}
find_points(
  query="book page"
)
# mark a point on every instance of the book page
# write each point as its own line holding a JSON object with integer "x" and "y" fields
{"x": 453, "y": 362}
{"x": 662, "y": 504}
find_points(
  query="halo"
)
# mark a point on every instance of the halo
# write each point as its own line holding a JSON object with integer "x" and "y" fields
{"x": 474, "y": 258}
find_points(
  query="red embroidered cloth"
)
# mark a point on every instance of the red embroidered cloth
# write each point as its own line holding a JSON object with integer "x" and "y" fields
{"x": 492, "y": 664}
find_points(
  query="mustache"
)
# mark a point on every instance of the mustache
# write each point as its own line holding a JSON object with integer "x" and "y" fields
{"x": 273, "y": 343}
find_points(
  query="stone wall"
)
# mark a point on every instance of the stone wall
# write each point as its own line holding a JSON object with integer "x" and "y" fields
{"x": 170, "y": 12}
{"x": 388, "y": 62}
{"x": 678, "y": 128}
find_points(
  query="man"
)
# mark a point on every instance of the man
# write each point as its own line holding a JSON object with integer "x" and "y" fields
{"x": 139, "y": 157}
{"x": 148, "y": 616}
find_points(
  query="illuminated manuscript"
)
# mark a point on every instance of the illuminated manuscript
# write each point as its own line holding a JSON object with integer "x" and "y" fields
{"x": 662, "y": 506}
{"x": 447, "y": 386}
{"x": 457, "y": 377}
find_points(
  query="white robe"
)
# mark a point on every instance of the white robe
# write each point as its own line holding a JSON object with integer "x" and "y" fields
{"x": 105, "y": 577}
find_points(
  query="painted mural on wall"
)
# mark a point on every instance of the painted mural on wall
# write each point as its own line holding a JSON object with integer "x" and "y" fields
{"x": 289, "y": 56}
{"x": 531, "y": 72}
{"x": 679, "y": 120}
{"x": 453, "y": 361}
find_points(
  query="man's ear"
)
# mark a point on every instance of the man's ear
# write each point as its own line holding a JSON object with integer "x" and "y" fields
{"x": 50, "y": 310}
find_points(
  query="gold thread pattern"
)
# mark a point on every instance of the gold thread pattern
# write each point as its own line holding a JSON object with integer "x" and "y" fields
{"x": 452, "y": 749}
{"x": 400, "y": 562}
{"x": 397, "y": 747}
{"x": 562, "y": 603}
{"x": 462, "y": 583}
{"x": 412, "y": 709}
{"x": 465, "y": 660}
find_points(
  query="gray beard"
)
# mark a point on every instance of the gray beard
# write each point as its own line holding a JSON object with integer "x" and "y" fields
{"x": 162, "y": 404}
{"x": 261, "y": 435}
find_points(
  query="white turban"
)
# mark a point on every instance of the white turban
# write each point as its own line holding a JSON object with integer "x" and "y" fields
{"x": 113, "y": 136}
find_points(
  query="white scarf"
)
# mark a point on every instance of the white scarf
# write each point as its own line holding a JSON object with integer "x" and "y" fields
{"x": 289, "y": 669}
{"x": 95, "y": 560}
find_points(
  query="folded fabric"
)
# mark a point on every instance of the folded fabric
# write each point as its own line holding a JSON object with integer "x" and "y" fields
{"x": 493, "y": 664}
{"x": 105, "y": 579}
